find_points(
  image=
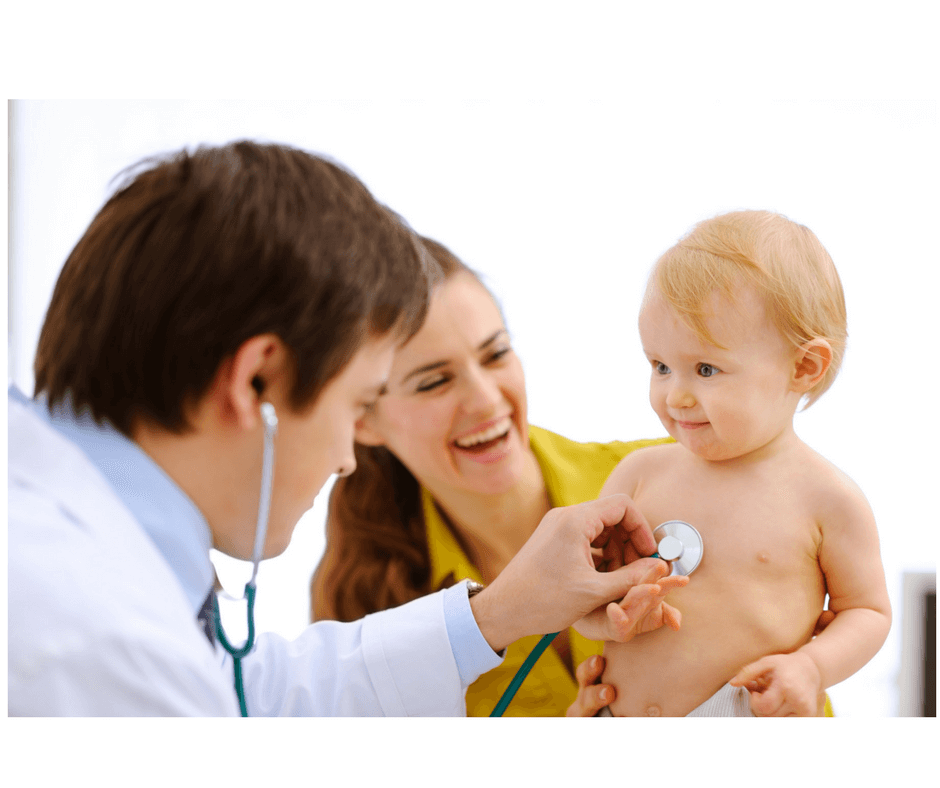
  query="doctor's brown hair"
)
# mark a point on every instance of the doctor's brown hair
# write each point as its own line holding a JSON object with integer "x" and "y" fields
{"x": 196, "y": 253}
{"x": 377, "y": 554}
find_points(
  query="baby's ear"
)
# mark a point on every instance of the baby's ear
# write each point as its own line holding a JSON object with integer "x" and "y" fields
{"x": 812, "y": 361}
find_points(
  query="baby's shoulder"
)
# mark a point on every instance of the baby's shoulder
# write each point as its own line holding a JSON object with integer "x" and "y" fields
{"x": 640, "y": 463}
{"x": 833, "y": 494}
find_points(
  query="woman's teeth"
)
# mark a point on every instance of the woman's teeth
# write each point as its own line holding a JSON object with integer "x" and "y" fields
{"x": 498, "y": 430}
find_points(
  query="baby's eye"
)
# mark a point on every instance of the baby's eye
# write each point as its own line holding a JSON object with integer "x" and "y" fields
{"x": 707, "y": 370}
{"x": 660, "y": 368}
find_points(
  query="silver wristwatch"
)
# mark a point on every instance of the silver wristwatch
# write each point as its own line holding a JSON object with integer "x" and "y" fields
{"x": 473, "y": 588}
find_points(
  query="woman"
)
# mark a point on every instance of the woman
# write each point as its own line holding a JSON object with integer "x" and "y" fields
{"x": 451, "y": 481}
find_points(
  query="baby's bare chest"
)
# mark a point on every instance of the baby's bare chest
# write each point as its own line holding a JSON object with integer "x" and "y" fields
{"x": 746, "y": 523}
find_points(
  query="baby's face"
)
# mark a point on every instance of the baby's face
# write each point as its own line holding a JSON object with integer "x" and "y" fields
{"x": 726, "y": 402}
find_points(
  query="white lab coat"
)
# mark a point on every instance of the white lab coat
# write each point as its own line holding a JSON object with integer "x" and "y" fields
{"x": 99, "y": 624}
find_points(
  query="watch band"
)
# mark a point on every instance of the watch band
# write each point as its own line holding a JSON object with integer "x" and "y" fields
{"x": 473, "y": 588}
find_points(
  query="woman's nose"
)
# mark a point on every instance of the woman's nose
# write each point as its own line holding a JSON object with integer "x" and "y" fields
{"x": 481, "y": 392}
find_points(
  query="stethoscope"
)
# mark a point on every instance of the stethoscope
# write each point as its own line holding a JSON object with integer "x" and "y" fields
{"x": 269, "y": 418}
{"x": 678, "y": 543}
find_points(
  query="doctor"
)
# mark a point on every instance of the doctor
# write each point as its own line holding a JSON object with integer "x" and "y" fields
{"x": 213, "y": 287}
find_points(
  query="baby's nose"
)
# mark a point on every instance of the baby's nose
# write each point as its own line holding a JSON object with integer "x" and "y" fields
{"x": 680, "y": 397}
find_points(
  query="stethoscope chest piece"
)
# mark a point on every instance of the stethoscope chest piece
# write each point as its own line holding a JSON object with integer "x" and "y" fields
{"x": 680, "y": 544}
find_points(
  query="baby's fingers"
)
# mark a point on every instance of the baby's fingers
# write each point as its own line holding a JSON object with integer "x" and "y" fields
{"x": 672, "y": 617}
{"x": 672, "y": 582}
{"x": 754, "y": 676}
{"x": 768, "y": 702}
{"x": 622, "y": 618}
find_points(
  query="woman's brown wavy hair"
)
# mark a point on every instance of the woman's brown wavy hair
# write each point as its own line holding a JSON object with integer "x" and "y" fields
{"x": 376, "y": 544}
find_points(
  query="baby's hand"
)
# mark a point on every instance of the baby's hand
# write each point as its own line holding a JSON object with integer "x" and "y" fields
{"x": 641, "y": 610}
{"x": 783, "y": 685}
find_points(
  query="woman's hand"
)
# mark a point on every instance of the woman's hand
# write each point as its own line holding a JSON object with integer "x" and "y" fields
{"x": 592, "y": 696}
{"x": 643, "y": 609}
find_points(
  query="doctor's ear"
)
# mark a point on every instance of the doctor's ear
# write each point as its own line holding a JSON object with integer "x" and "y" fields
{"x": 813, "y": 359}
{"x": 259, "y": 367}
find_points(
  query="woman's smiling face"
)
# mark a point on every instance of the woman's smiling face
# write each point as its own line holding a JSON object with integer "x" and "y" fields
{"x": 455, "y": 408}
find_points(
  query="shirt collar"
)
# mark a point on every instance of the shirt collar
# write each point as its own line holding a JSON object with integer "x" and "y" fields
{"x": 168, "y": 516}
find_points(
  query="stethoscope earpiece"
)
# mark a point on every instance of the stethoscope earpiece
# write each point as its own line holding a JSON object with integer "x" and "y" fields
{"x": 268, "y": 416}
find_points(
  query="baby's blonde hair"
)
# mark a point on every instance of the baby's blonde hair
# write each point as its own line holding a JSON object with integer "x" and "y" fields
{"x": 783, "y": 260}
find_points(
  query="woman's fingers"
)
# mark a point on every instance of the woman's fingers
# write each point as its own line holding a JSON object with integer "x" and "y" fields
{"x": 592, "y": 697}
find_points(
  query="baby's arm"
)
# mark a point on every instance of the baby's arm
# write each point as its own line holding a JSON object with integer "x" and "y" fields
{"x": 850, "y": 559}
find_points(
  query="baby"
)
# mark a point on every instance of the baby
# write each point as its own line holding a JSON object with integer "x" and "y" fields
{"x": 742, "y": 320}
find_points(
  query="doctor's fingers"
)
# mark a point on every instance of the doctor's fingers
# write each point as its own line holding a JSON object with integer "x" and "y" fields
{"x": 621, "y": 514}
{"x": 607, "y": 556}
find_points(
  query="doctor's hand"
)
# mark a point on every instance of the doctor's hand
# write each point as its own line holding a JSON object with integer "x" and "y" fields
{"x": 643, "y": 609}
{"x": 592, "y": 695}
{"x": 552, "y": 581}
{"x": 783, "y": 685}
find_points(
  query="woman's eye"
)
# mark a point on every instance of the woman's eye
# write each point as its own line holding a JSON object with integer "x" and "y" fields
{"x": 497, "y": 354}
{"x": 707, "y": 370}
{"x": 432, "y": 383}
{"x": 661, "y": 369}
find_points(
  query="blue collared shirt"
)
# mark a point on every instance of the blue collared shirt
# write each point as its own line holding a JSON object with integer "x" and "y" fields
{"x": 168, "y": 516}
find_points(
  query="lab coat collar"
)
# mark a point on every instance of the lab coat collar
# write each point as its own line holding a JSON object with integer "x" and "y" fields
{"x": 168, "y": 516}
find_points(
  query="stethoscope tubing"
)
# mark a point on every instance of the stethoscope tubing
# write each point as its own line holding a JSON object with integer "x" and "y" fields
{"x": 269, "y": 418}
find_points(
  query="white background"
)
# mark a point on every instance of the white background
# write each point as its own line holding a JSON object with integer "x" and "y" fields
{"x": 559, "y": 154}
{"x": 564, "y": 209}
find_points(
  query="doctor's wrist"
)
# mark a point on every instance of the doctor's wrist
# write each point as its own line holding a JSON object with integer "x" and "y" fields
{"x": 489, "y": 611}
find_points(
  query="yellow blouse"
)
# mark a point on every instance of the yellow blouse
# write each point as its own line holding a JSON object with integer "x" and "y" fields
{"x": 574, "y": 472}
